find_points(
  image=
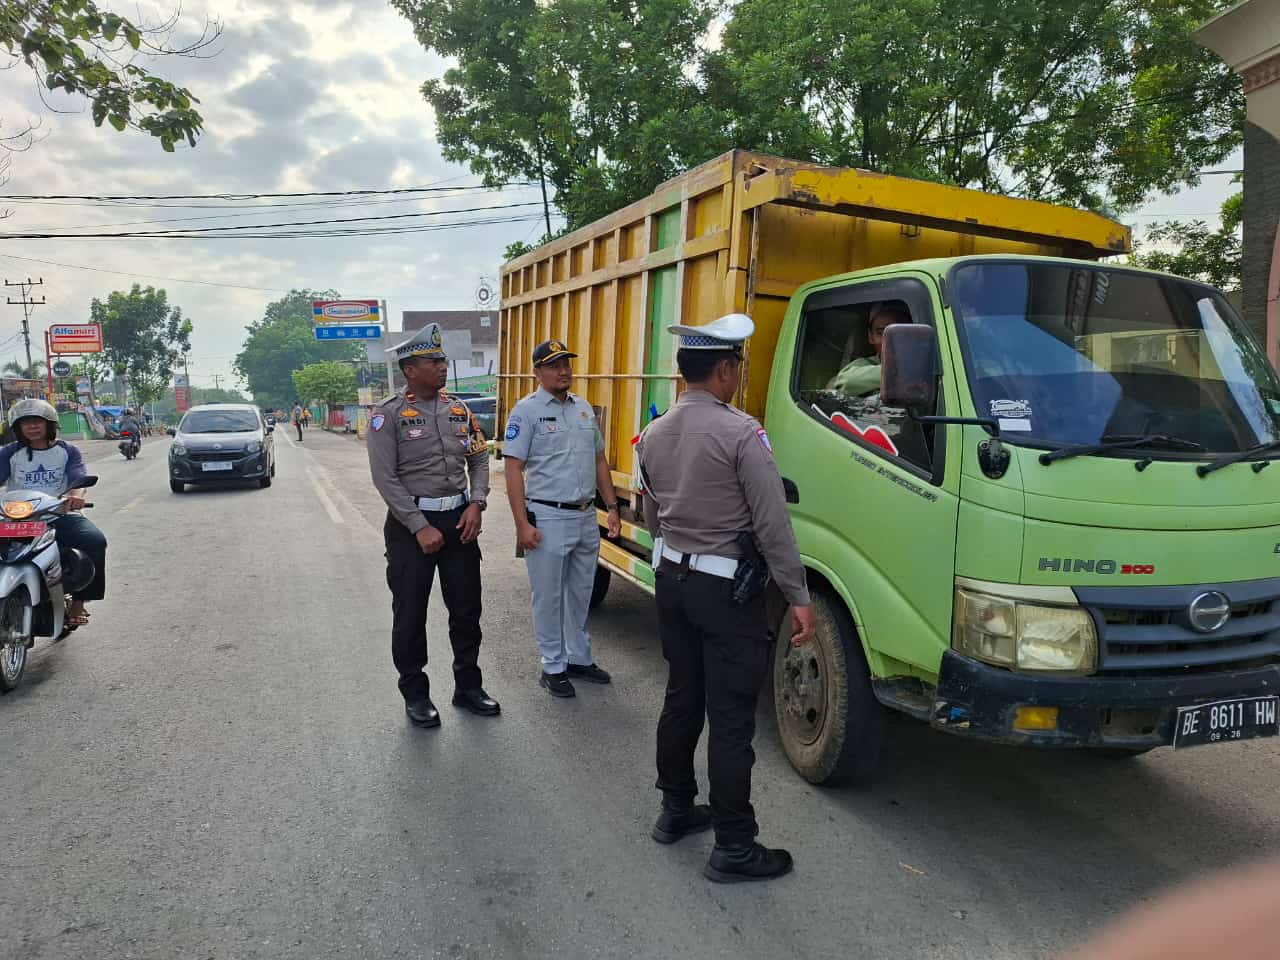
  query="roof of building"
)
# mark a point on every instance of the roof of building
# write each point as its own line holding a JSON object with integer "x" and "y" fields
{"x": 481, "y": 335}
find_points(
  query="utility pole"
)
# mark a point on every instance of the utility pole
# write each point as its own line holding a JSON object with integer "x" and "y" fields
{"x": 217, "y": 380}
{"x": 27, "y": 304}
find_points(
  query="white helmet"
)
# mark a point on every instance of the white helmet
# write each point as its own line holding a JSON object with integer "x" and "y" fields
{"x": 32, "y": 408}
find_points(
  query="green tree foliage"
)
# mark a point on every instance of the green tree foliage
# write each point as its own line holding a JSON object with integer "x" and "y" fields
{"x": 591, "y": 97}
{"x": 16, "y": 368}
{"x": 143, "y": 338}
{"x": 282, "y": 341}
{"x": 166, "y": 407}
{"x": 1194, "y": 249}
{"x": 86, "y": 50}
{"x": 1095, "y": 102}
{"x": 328, "y": 382}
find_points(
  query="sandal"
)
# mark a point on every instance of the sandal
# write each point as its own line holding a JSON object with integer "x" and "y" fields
{"x": 77, "y": 621}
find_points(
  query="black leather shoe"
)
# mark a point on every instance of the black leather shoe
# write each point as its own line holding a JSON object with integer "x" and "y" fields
{"x": 591, "y": 674}
{"x": 477, "y": 701}
{"x": 558, "y": 685}
{"x": 674, "y": 824}
{"x": 746, "y": 861}
{"x": 422, "y": 712}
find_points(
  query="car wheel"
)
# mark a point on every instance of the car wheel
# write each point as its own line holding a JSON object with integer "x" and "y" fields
{"x": 177, "y": 486}
{"x": 265, "y": 482}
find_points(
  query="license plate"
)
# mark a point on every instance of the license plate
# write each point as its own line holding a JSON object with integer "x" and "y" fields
{"x": 1227, "y": 721}
{"x": 214, "y": 467}
{"x": 30, "y": 528}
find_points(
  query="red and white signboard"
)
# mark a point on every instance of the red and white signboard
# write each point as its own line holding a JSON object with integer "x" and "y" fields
{"x": 75, "y": 338}
{"x": 345, "y": 311}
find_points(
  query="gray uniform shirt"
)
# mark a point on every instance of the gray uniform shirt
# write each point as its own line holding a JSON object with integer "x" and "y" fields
{"x": 425, "y": 448}
{"x": 558, "y": 443}
{"x": 709, "y": 474}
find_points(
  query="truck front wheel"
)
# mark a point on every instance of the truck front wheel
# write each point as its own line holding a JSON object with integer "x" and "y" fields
{"x": 831, "y": 725}
{"x": 604, "y": 576}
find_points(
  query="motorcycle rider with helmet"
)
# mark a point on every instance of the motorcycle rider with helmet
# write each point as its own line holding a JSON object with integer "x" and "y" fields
{"x": 130, "y": 423}
{"x": 38, "y": 460}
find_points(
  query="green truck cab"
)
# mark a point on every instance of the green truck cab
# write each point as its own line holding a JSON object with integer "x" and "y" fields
{"x": 1054, "y": 525}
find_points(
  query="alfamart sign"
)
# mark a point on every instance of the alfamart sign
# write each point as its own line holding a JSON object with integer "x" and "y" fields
{"x": 345, "y": 311}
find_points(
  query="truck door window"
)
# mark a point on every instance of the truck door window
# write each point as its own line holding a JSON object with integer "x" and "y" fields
{"x": 838, "y": 370}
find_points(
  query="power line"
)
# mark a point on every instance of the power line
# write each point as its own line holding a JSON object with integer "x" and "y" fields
{"x": 242, "y": 196}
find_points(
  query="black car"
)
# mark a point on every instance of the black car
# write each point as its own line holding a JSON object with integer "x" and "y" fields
{"x": 485, "y": 410}
{"x": 219, "y": 442}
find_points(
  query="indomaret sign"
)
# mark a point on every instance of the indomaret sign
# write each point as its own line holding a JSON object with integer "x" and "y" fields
{"x": 345, "y": 311}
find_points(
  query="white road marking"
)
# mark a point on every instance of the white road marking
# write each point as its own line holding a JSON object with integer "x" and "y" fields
{"x": 328, "y": 505}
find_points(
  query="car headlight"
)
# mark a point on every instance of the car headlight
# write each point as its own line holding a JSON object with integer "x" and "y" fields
{"x": 178, "y": 450}
{"x": 1022, "y": 635}
{"x": 253, "y": 446}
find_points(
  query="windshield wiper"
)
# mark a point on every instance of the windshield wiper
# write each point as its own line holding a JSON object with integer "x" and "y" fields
{"x": 1120, "y": 441}
{"x": 1207, "y": 468}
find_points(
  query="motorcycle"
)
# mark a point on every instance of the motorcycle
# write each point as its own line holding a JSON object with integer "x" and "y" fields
{"x": 129, "y": 445}
{"x": 37, "y": 581}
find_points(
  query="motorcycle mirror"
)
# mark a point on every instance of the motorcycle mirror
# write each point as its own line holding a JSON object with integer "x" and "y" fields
{"x": 87, "y": 481}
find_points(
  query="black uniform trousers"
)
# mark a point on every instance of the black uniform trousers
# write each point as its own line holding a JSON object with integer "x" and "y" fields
{"x": 410, "y": 574}
{"x": 718, "y": 653}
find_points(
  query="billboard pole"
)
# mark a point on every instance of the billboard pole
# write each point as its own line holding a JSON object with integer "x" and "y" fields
{"x": 48, "y": 361}
{"x": 386, "y": 349}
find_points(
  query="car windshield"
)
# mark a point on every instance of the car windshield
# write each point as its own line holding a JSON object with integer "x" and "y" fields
{"x": 219, "y": 421}
{"x": 1069, "y": 354}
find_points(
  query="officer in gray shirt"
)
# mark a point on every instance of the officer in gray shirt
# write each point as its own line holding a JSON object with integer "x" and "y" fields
{"x": 554, "y": 464}
{"x": 431, "y": 465}
{"x": 709, "y": 478}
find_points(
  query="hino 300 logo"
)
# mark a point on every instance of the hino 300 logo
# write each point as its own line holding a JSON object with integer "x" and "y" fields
{"x": 1100, "y": 566}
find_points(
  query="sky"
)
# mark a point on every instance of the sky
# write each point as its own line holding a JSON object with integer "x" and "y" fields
{"x": 301, "y": 96}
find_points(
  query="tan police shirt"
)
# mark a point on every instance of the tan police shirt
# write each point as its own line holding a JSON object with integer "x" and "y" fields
{"x": 709, "y": 474}
{"x": 425, "y": 448}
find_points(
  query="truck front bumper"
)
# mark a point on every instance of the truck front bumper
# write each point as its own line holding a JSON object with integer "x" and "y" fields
{"x": 1128, "y": 713}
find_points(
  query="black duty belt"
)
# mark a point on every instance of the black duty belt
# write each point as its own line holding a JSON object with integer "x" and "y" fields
{"x": 563, "y": 506}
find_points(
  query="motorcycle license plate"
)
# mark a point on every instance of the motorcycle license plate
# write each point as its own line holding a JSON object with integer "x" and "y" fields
{"x": 215, "y": 467}
{"x": 27, "y": 529}
{"x": 1227, "y": 721}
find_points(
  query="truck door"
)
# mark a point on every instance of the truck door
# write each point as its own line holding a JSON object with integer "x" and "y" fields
{"x": 877, "y": 502}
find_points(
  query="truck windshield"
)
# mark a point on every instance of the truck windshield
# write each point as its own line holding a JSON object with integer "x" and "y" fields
{"x": 1069, "y": 354}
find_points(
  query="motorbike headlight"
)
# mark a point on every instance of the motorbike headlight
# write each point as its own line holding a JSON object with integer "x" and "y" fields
{"x": 18, "y": 509}
{"x": 178, "y": 450}
{"x": 1023, "y": 635}
{"x": 253, "y": 446}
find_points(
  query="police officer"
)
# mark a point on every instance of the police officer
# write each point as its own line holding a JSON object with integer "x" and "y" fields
{"x": 555, "y": 464}
{"x": 423, "y": 448}
{"x": 709, "y": 477}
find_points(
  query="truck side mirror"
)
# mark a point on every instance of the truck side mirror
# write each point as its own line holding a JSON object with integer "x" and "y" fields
{"x": 909, "y": 367}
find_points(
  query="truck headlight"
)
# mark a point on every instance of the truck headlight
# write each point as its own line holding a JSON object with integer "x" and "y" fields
{"x": 1022, "y": 635}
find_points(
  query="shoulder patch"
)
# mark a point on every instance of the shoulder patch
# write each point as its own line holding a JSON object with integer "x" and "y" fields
{"x": 376, "y": 422}
{"x": 513, "y": 428}
{"x": 764, "y": 439}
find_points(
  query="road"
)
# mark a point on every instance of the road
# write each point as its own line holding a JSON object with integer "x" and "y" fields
{"x": 219, "y": 767}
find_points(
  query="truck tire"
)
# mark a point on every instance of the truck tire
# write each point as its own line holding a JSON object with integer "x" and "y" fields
{"x": 830, "y": 723}
{"x": 599, "y": 589}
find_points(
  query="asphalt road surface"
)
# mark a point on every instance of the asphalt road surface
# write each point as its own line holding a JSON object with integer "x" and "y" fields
{"x": 220, "y": 767}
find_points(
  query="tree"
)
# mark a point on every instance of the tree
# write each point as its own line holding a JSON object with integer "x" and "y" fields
{"x": 589, "y": 98}
{"x": 1192, "y": 249}
{"x": 84, "y": 50}
{"x": 16, "y": 368}
{"x": 330, "y": 383}
{"x": 280, "y": 342}
{"x": 166, "y": 407}
{"x": 143, "y": 338}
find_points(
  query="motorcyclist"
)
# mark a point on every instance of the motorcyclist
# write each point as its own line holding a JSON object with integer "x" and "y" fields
{"x": 130, "y": 423}
{"x": 38, "y": 460}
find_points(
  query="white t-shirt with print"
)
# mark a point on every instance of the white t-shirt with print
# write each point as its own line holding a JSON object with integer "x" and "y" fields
{"x": 46, "y": 471}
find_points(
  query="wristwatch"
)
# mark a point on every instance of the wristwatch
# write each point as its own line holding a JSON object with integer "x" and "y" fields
{"x": 611, "y": 507}
{"x": 482, "y": 504}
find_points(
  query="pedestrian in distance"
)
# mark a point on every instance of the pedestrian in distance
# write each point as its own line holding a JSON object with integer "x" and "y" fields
{"x": 431, "y": 465}
{"x": 306, "y": 417}
{"x": 297, "y": 420}
{"x": 555, "y": 464}
{"x": 714, "y": 503}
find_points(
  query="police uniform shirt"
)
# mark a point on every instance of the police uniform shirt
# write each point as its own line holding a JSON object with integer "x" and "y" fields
{"x": 558, "y": 443}
{"x": 425, "y": 448}
{"x": 709, "y": 469}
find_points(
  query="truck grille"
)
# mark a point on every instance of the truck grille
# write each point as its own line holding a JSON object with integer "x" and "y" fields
{"x": 1145, "y": 629}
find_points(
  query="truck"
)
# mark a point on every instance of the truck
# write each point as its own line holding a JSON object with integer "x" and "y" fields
{"x": 1053, "y": 524}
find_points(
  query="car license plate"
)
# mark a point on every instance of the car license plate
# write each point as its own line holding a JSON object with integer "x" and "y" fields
{"x": 27, "y": 529}
{"x": 214, "y": 467}
{"x": 1227, "y": 720}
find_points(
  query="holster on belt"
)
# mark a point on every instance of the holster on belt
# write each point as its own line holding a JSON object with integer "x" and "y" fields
{"x": 752, "y": 573}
